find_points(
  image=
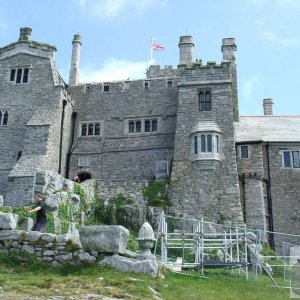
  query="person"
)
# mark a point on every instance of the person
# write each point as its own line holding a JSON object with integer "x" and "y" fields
{"x": 77, "y": 178}
{"x": 41, "y": 217}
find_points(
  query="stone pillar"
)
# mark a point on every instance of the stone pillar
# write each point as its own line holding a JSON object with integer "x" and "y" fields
{"x": 74, "y": 71}
{"x": 229, "y": 53}
{"x": 255, "y": 206}
{"x": 268, "y": 107}
{"x": 186, "y": 46}
{"x": 25, "y": 34}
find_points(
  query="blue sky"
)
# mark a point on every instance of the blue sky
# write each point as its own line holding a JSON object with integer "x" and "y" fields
{"x": 116, "y": 36}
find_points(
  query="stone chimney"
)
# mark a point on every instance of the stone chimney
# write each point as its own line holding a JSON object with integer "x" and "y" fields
{"x": 268, "y": 107}
{"x": 74, "y": 71}
{"x": 228, "y": 49}
{"x": 25, "y": 34}
{"x": 186, "y": 46}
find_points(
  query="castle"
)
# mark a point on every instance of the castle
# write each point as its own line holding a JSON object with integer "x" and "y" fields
{"x": 183, "y": 123}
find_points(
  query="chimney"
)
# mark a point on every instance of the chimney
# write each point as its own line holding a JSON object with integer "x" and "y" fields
{"x": 74, "y": 71}
{"x": 186, "y": 46}
{"x": 268, "y": 107}
{"x": 228, "y": 49}
{"x": 25, "y": 34}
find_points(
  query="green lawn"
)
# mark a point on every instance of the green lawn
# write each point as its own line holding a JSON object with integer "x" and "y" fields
{"x": 19, "y": 280}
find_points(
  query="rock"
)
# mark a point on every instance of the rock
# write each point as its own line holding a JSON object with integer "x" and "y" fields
{"x": 52, "y": 202}
{"x": 56, "y": 264}
{"x": 27, "y": 224}
{"x": 107, "y": 239}
{"x": 28, "y": 249}
{"x": 63, "y": 238}
{"x": 48, "y": 253}
{"x": 33, "y": 236}
{"x": 47, "y": 237}
{"x": 64, "y": 257}
{"x": 1, "y": 200}
{"x": 86, "y": 257}
{"x": 7, "y": 221}
{"x": 124, "y": 264}
{"x": 10, "y": 235}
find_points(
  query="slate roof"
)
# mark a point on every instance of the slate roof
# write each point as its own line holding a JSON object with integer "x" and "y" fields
{"x": 27, "y": 165}
{"x": 268, "y": 129}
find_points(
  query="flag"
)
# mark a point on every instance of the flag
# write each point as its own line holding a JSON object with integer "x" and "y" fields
{"x": 158, "y": 47}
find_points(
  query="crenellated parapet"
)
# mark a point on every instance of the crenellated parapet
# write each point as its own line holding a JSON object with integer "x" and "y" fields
{"x": 155, "y": 71}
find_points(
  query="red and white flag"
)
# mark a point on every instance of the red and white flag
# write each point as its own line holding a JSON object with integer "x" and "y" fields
{"x": 158, "y": 47}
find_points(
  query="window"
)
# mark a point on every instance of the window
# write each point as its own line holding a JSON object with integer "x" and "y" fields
{"x": 206, "y": 146}
{"x": 204, "y": 101}
{"x": 91, "y": 129}
{"x": 291, "y": 159}
{"x": 19, "y": 75}
{"x": 87, "y": 88}
{"x": 244, "y": 152}
{"x": 106, "y": 88}
{"x": 3, "y": 118}
{"x": 147, "y": 85}
{"x": 142, "y": 126}
{"x": 169, "y": 83}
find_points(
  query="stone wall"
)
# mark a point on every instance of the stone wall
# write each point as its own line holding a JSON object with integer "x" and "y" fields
{"x": 116, "y": 154}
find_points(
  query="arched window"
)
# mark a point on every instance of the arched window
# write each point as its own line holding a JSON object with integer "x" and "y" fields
{"x": 83, "y": 129}
{"x": 195, "y": 144}
{"x": 0, "y": 117}
{"x": 131, "y": 127}
{"x": 19, "y": 75}
{"x": 204, "y": 101}
{"x": 207, "y": 101}
{"x": 5, "y": 118}
{"x": 90, "y": 129}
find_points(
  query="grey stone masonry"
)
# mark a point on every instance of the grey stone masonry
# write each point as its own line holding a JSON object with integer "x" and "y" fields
{"x": 205, "y": 185}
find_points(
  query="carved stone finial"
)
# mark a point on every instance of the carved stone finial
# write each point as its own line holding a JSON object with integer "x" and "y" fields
{"x": 146, "y": 242}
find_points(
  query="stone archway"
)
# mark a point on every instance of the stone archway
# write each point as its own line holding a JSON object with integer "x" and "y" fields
{"x": 84, "y": 176}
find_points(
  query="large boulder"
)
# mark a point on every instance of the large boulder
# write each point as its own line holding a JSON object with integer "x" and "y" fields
{"x": 125, "y": 264}
{"x": 105, "y": 239}
{"x": 7, "y": 221}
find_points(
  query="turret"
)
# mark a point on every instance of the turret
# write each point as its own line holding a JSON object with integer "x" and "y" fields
{"x": 229, "y": 53}
{"x": 74, "y": 71}
{"x": 186, "y": 46}
{"x": 25, "y": 34}
{"x": 268, "y": 107}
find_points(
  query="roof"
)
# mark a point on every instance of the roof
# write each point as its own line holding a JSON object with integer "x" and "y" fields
{"x": 268, "y": 128}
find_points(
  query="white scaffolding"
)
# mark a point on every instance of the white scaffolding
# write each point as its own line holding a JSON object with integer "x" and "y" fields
{"x": 196, "y": 238}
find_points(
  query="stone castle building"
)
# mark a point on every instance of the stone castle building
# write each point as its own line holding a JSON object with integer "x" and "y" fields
{"x": 183, "y": 123}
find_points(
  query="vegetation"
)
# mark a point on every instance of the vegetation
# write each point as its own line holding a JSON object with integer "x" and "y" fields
{"x": 156, "y": 194}
{"x": 19, "y": 280}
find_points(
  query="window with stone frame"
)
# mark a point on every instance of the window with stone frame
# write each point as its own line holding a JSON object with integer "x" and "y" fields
{"x": 90, "y": 129}
{"x": 205, "y": 100}
{"x": 19, "y": 75}
{"x": 291, "y": 159}
{"x": 144, "y": 125}
{"x": 3, "y": 118}
{"x": 206, "y": 146}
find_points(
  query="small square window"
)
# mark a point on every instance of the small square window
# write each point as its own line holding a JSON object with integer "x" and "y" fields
{"x": 147, "y": 85}
{"x": 106, "y": 88}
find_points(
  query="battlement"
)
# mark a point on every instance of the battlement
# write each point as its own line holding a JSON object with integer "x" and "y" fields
{"x": 155, "y": 71}
{"x": 140, "y": 85}
{"x": 210, "y": 64}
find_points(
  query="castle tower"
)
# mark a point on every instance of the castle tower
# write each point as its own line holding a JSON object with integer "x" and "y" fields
{"x": 74, "y": 71}
{"x": 229, "y": 53}
{"x": 204, "y": 179}
{"x": 186, "y": 46}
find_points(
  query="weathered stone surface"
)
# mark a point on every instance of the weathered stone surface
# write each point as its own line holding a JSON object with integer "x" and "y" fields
{"x": 65, "y": 257}
{"x": 28, "y": 249}
{"x": 1, "y": 200}
{"x": 48, "y": 252}
{"x": 47, "y": 237}
{"x": 86, "y": 257}
{"x": 7, "y": 221}
{"x": 27, "y": 224}
{"x": 10, "y": 234}
{"x": 63, "y": 238}
{"x": 33, "y": 236}
{"x": 124, "y": 264}
{"x": 109, "y": 239}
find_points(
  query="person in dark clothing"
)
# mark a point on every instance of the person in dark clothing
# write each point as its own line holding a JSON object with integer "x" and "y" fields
{"x": 41, "y": 218}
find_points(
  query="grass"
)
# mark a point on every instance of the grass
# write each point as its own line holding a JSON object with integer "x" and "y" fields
{"x": 20, "y": 280}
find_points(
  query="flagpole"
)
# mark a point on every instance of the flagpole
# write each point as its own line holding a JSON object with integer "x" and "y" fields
{"x": 151, "y": 49}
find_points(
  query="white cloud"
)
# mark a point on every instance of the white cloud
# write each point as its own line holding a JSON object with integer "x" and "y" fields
{"x": 114, "y": 69}
{"x": 250, "y": 87}
{"x": 270, "y": 36}
{"x": 108, "y": 9}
